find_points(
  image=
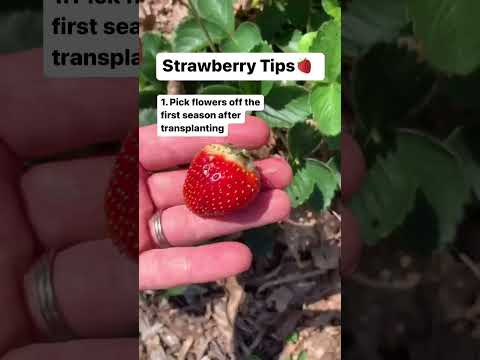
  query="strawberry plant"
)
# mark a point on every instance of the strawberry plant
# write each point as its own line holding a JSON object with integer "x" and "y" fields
{"x": 304, "y": 116}
{"x": 405, "y": 60}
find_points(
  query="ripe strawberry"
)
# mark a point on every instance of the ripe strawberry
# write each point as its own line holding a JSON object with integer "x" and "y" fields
{"x": 121, "y": 200}
{"x": 220, "y": 180}
{"x": 305, "y": 66}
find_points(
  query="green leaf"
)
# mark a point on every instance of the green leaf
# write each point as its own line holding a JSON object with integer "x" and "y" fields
{"x": 294, "y": 337}
{"x": 285, "y": 106}
{"x": 265, "y": 86}
{"x": 332, "y": 8}
{"x": 147, "y": 117}
{"x": 298, "y": 12}
{"x": 368, "y": 22}
{"x": 271, "y": 20}
{"x": 448, "y": 33}
{"x": 385, "y": 95}
{"x": 245, "y": 38}
{"x": 217, "y": 12}
{"x": 148, "y": 97}
{"x": 306, "y": 41}
{"x": 314, "y": 175}
{"x": 462, "y": 90}
{"x": 289, "y": 41}
{"x": 152, "y": 44}
{"x": 421, "y": 176}
{"x": 190, "y": 37}
{"x": 173, "y": 292}
{"x": 464, "y": 142}
{"x": 325, "y": 101}
{"x": 328, "y": 42}
{"x": 302, "y": 140}
{"x": 303, "y": 355}
{"x": 218, "y": 89}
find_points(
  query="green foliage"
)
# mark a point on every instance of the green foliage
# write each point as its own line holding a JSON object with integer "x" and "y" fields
{"x": 281, "y": 26}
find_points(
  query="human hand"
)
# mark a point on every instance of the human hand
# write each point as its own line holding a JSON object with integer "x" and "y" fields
{"x": 51, "y": 203}
{"x": 183, "y": 263}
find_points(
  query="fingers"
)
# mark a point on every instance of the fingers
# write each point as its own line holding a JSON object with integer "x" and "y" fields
{"x": 183, "y": 228}
{"x": 157, "y": 153}
{"x": 352, "y": 166}
{"x": 96, "y": 290}
{"x": 107, "y": 349}
{"x": 65, "y": 200}
{"x": 161, "y": 269}
{"x": 55, "y": 115}
{"x": 145, "y": 211}
{"x": 166, "y": 188}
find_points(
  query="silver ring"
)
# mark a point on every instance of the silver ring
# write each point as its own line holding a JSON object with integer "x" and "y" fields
{"x": 42, "y": 301}
{"x": 156, "y": 231}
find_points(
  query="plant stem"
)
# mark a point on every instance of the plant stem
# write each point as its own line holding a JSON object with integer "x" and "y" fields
{"x": 202, "y": 26}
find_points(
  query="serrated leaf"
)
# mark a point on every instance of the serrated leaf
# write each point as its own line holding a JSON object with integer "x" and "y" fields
{"x": 289, "y": 41}
{"x": 152, "y": 44}
{"x": 285, "y": 106}
{"x": 325, "y": 101}
{"x": 147, "y": 117}
{"x": 217, "y": 12}
{"x": 302, "y": 140}
{"x": 244, "y": 39}
{"x": 190, "y": 37}
{"x": 306, "y": 41}
{"x": 385, "y": 95}
{"x": 332, "y": 8}
{"x": 369, "y": 22}
{"x": 421, "y": 174}
{"x": 313, "y": 175}
{"x": 464, "y": 142}
{"x": 448, "y": 33}
{"x": 328, "y": 42}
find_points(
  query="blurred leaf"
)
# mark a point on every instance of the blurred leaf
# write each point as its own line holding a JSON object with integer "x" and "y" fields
{"x": 314, "y": 174}
{"x": 289, "y": 40}
{"x": 147, "y": 117}
{"x": 306, "y": 41}
{"x": 177, "y": 291}
{"x": 285, "y": 106}
{"x": 302, "y": 140}
{"x": 464, "y": 142}
{"x": 219, "y": 89}
{"x": 327, "y": 41}
{"x": 325, "y": 102}
{"x": 148, "y": 96}
{"x": 463, "y": 90}
{"x": 332, "y": 8}
{"x": 265, "y": 86}
{"x": 190, "y": 37}
{"x": 244, "y": 39}
{"x": 21, "y": 30}
{"x": 298, "y": 12}
{"x": 152, "y": 44}
{"x": 271, "y": 20}
{"x": 303, "y": 355}
{"x": 421, "y": 173}
{"x": 294, "y": 337}
{"x": 448, "y": 33}
{"x": 385, "y": 95}
{"x": 368, "y": 22}
{"x": 217, "y": 12}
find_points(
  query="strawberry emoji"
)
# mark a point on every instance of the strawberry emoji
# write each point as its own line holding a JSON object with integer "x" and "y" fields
{"x": 220, "y": 180}
{"x": 121, "y": 200}
{"x": 305, "y": 66}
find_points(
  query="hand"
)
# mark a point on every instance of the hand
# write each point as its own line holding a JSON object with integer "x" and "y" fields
{"x": 58, "y": 204}
{"x": 182, "y": 263}
{"x": 353, "y": 171}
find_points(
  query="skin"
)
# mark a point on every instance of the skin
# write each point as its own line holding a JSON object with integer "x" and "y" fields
{"x": 59, "y": 204}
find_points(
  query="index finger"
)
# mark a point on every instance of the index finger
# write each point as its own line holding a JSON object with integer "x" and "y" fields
{"x": 158, "y": 153}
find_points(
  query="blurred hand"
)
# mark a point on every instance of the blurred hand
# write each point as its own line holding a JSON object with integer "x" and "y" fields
{"x": 59, "y": 205}
{"x": 183, "y": 263}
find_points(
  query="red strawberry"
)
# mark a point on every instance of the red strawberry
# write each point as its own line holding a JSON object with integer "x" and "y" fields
{"x": 121, "y": 200}
{"x": 220, "y": 180}
{"x": 305, "y": 66}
